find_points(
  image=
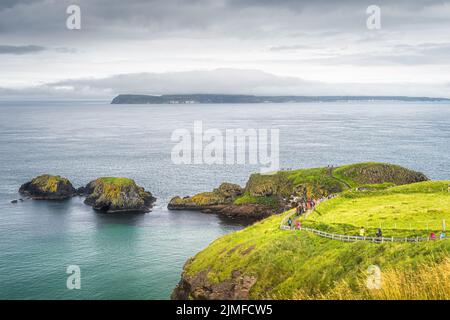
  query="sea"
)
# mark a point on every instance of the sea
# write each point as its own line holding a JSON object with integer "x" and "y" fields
{"x": 141, "y": 256}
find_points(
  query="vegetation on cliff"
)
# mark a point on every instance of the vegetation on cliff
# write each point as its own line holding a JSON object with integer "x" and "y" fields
{"x": 295, "y": 264}
{"x": 226, "y": 193}
{"x": 111, "y": 194}
{"x": 274, "y": 191}
{"x": 48, "y": 187}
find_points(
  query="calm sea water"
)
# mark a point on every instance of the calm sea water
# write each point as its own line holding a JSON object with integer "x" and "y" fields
{"x": 141, "y": 256}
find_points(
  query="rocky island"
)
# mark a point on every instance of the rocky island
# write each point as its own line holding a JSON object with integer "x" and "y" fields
{"x": 115, "y": 195}
{"x": 265, "y": 195}
{"x": 108, "y": 194}
{"x": 48, "y": 187}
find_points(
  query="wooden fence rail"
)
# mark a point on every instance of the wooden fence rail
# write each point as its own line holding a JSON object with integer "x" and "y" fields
{"x": 349, "y": 238}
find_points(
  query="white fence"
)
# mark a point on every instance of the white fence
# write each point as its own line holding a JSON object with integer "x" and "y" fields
{"x": 348, "y": 238}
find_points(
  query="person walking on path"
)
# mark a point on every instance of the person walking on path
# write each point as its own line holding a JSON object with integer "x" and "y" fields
{"x": 379, "y": 233}
{"x": 362, "y": 232}
{"x": 290, "y": 223}
{"x": 433, "y": 236}
{"x": 442, "y": 235}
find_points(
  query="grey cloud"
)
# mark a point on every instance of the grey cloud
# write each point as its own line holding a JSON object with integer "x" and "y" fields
{"x": 215, "y": 81}
{"x": 243, "y": 19}
{"x": 31, "y": 49}
{"x": 402, "y": 54}
{"x": 290, "y": 48}
{"x": 226, "y": 81}
{"x": 19, "y": 50}
{"x": 7, "y": 4}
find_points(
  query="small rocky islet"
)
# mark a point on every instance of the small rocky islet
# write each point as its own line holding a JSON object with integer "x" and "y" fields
{"x": 115, "y": 195}
{"x": 106, "y": 194}
{"x": 48, "y": 187}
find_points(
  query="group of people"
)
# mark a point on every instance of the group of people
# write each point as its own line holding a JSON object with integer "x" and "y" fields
{"x": 362, "y": 232}
{"x": 442, "y": 235}
{"x": 296, "y": 225}
{"x": 309, "y": 204}
{"x": 304, "y": 206}
{"x": 433, "y": 236}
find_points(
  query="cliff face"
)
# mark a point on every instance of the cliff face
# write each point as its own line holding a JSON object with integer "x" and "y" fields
{"x": 222, "y": 201}
{"x": 198, "y": 287}
{"x": 48, "y": 187}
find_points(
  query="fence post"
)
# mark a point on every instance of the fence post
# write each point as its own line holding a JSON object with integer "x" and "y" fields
{"x": 443, "y": 225}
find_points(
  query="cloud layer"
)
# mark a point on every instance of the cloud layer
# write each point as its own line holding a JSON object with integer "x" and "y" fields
{"x": 321, "y": 45}
{"x": 224, "y": 81}
{"x": 20, "y": 49}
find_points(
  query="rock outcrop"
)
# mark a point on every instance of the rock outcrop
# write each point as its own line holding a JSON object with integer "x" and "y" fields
{"x": 225, "y": 194}
{"x": 113, "y": 195}
{"x": 199, "y": 288}
{"x": 48, "y": 187}
{"x": 221, "y": 201}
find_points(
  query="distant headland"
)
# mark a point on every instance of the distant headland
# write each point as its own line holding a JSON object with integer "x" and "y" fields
{"x": 231, "y": 98}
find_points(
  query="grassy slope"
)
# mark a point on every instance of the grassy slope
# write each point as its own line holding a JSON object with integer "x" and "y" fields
{"x": 49, "y": 183}
{"x": 118, "y": 181}
{"x": 272, "y": 190}
{"x": 293, "y": 264}
{"x": 318, "y": 182}
{"x": 415, "y": 209}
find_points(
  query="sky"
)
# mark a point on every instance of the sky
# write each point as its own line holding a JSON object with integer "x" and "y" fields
{"x": 264, "y": 47}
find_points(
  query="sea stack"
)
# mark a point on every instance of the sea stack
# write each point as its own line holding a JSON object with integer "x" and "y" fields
{"x": 117, "y": 195}
{"x": 48, "y": 187}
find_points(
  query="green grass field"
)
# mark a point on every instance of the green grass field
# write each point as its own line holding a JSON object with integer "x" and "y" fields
{"x": 294, "y": 264}
{"x": 286, "y": 263}
{"x": 415, "y": 209}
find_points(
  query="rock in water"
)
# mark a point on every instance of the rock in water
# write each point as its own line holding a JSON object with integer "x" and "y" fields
{"x": 48, "y": 187}
{"x": 112, "y": 195}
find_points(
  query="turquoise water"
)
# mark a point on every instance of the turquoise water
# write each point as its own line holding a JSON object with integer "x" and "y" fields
{"x": 141, "y": 256}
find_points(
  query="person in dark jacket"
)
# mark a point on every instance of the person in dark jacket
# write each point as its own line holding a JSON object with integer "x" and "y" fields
{"x": 379, "y": 233}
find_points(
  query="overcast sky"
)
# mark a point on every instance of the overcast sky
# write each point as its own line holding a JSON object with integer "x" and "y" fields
{"x": 224, "y": 46}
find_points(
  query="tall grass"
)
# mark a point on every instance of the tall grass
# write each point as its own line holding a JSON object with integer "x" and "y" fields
{"x": 425, "y": 282}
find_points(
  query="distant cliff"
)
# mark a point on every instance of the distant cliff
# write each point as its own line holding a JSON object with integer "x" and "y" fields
{"x": 228, "y": 98}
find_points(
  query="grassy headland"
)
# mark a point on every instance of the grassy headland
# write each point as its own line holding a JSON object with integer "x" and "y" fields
{"x": 292, "y": 264}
